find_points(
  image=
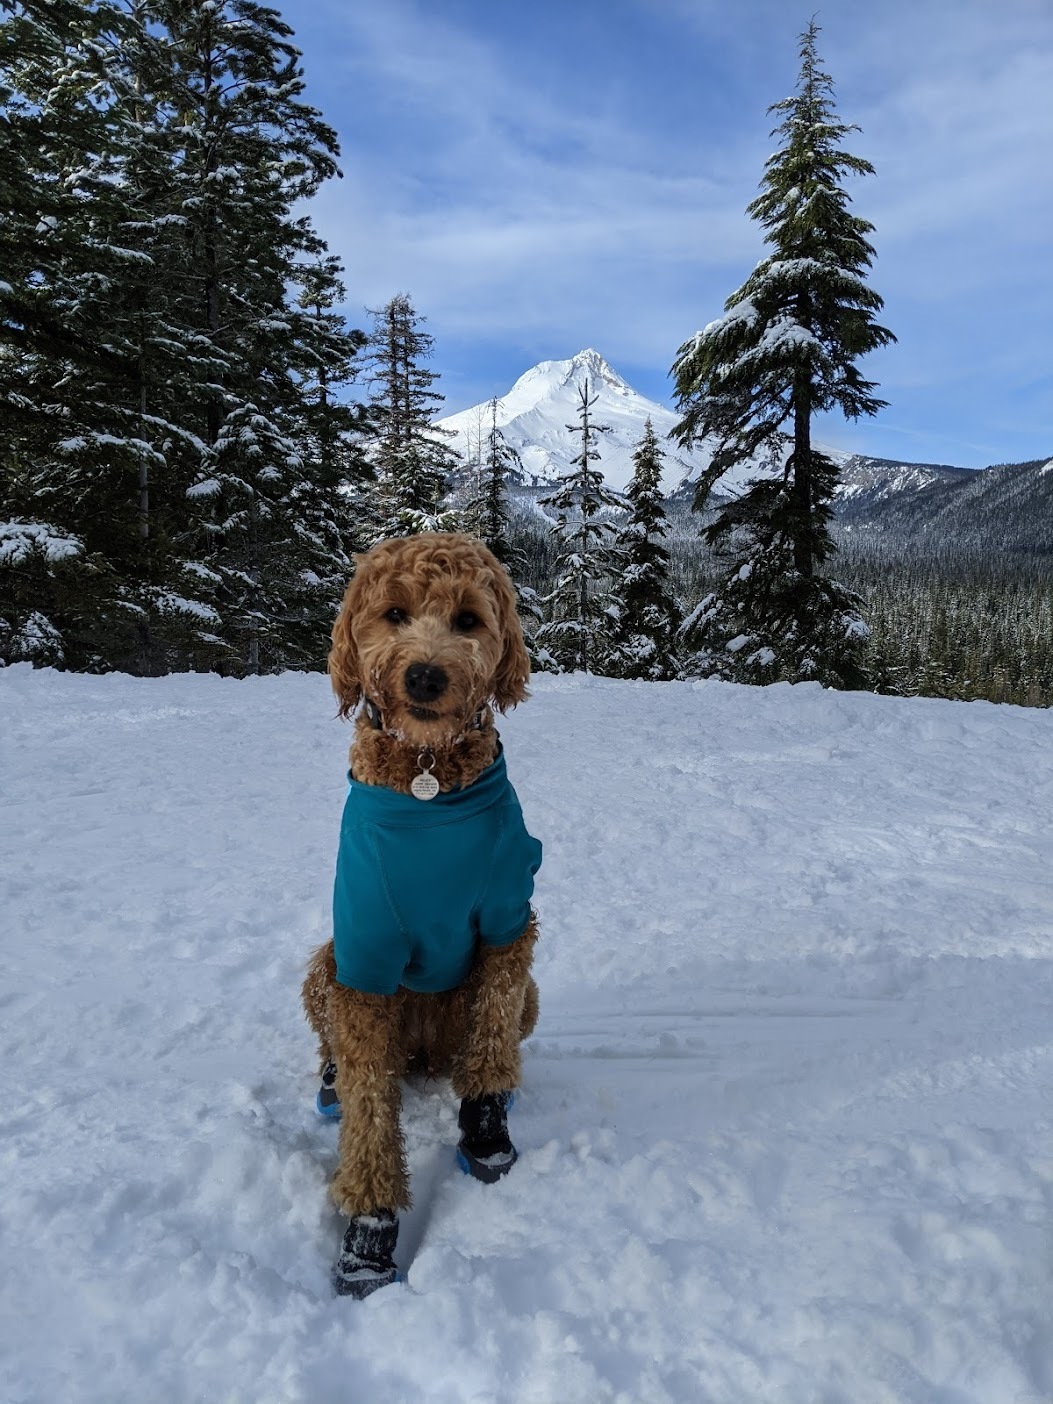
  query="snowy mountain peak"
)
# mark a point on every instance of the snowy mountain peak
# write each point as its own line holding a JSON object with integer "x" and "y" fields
{"x": 590, "y": 365}
{"x": 535, "y": 412}
{"x": 554, "y": 376}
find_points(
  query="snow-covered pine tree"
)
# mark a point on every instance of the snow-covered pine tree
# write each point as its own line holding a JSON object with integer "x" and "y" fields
{"x": 486, "y": 510}
{"x": 644, "y": 644}
{"x": 80, "y": 433}
{"x": 785, "y": 350}
{"x": 334, "y": 507}
{"x": 265, "y": 518}
{"x": 486, "y": 515}
{"x": 412, "y": 459}
{"x": 582, "y": 607}
{"x": 327, "y": 352}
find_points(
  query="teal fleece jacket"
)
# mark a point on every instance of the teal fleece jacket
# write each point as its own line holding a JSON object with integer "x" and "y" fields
{"x": 418, "y": 883}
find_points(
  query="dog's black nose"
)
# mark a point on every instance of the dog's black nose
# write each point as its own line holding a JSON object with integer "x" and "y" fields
{"x": 425, "y": 682}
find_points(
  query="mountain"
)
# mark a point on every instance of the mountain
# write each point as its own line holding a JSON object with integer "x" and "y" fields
{"x": 868, "y": 483}
{"x": 1007, "y": 506}
{"x": 534, "y": 414}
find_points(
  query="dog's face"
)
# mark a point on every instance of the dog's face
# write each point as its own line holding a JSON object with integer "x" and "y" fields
{"x": 428, "y": 630}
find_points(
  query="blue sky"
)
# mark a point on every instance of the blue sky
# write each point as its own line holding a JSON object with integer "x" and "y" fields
{"x": 546, "y": 177}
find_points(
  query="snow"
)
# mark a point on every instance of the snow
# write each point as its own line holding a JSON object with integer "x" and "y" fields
{"x": 83, "y": 441}
{"x": 18, "y": 540}
{"x": 744, "y": 313}
{"x": 208, "y": 487}
{"x": 785, "y": 332}
{"x": 765, "y": 657}
{"x": 179, "y": 604}
{"x": 785, "y": 1122}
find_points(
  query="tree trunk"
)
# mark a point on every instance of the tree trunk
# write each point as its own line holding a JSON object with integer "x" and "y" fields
{"x": 214, "y": 413}
{"x": 801, "y": 491}
{"x": 144, "y": 463}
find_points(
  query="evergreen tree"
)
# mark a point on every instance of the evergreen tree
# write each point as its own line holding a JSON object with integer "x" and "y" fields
{"x": 486, "y": 512}
{"x": 784, "y": 351}
{"x": 645, "y": 637}
{"x": 412, "y": 460}
{"x": 250, "y": 152}
{"x": 72, "y": 451}
{"x": 583, "y": 612}
{"x": 487, "y": 516}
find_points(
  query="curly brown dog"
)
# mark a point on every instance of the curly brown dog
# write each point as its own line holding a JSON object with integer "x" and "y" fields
{"x": 430, "y": 965}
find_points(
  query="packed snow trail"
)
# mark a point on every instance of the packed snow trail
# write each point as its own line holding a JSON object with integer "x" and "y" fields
{"x": 785, "y": 1122}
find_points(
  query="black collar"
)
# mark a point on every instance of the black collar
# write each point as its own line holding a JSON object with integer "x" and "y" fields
{"x": 372, "y": 712}
{"x": 376, "y": 721}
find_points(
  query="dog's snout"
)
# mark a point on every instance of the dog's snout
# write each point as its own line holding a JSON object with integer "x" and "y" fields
{"x": 425, "y": 682}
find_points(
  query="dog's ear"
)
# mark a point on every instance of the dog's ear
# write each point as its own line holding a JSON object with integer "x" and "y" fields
{"x": 344, "y": 671}
{"x": 510, "y": 680}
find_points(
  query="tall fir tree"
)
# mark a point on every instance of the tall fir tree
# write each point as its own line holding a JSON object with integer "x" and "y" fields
{"x": 70, "y": 420}
{"x": 412, "y": 456}
{"x": 644, "y": 644}
{"x": 487, "y": 515}
{"x": 486, "y": 511}
{"x": 582, "y": 607}
{"x": 784, "y": 351}
{"x": 251, "y": 152}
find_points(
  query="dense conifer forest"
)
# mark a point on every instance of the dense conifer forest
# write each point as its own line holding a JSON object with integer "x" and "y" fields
{"x": 950, "y": 622}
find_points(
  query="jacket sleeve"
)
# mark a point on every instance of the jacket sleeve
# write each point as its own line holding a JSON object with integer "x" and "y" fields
{"x": 371, "y": 947}
{"x": 504, "y": 909}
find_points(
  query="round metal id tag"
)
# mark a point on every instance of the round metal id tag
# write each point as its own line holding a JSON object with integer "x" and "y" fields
{"x": 424, "y": 786}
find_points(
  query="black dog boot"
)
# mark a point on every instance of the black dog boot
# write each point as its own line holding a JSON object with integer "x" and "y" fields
{"x": 366, "y": 1262}
{"x": 484, "y": 1150}
{"x": 327, "y": 1102}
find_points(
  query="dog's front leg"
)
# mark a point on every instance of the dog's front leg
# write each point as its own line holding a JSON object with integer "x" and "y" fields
{"x": 487, "y": 1069}
{"x": 371, "y": 1183}
{"x": 365, "y": 1034}
{"x": 489, "y": 1059}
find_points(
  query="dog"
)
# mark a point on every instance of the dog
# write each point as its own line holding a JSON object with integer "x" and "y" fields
{"x": 429, "y": 967}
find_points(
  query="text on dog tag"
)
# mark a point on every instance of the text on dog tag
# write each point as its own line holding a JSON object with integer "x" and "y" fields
{"x": 425, "y": 786}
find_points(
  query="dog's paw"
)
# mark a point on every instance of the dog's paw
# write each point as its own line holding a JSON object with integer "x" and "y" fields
{"x": 487, "y": 1168}
{"x": 365, "y": 1263}
{"x": 485, "y": 1151}
{"x": 327, "y": 1103}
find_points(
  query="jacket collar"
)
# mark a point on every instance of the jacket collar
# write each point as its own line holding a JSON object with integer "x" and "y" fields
{"x": 380, "y": 805}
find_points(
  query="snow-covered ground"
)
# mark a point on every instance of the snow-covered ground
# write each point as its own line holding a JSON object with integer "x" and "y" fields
{"x": 785, "y": 1128}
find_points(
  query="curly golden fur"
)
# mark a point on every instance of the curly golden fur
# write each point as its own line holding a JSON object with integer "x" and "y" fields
{"x": 445, "y": 601}
{"x": 433, "y": 581}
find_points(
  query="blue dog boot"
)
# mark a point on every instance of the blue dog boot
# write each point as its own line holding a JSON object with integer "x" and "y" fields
{"x": 484, "y": 1150}
{"x": 366, "y": 1261}
{"x": 327, "y": 1102}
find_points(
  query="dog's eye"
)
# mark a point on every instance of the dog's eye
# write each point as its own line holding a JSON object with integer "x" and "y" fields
{"x": 466, "y": 621}
{"x": 396, "y": 615}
